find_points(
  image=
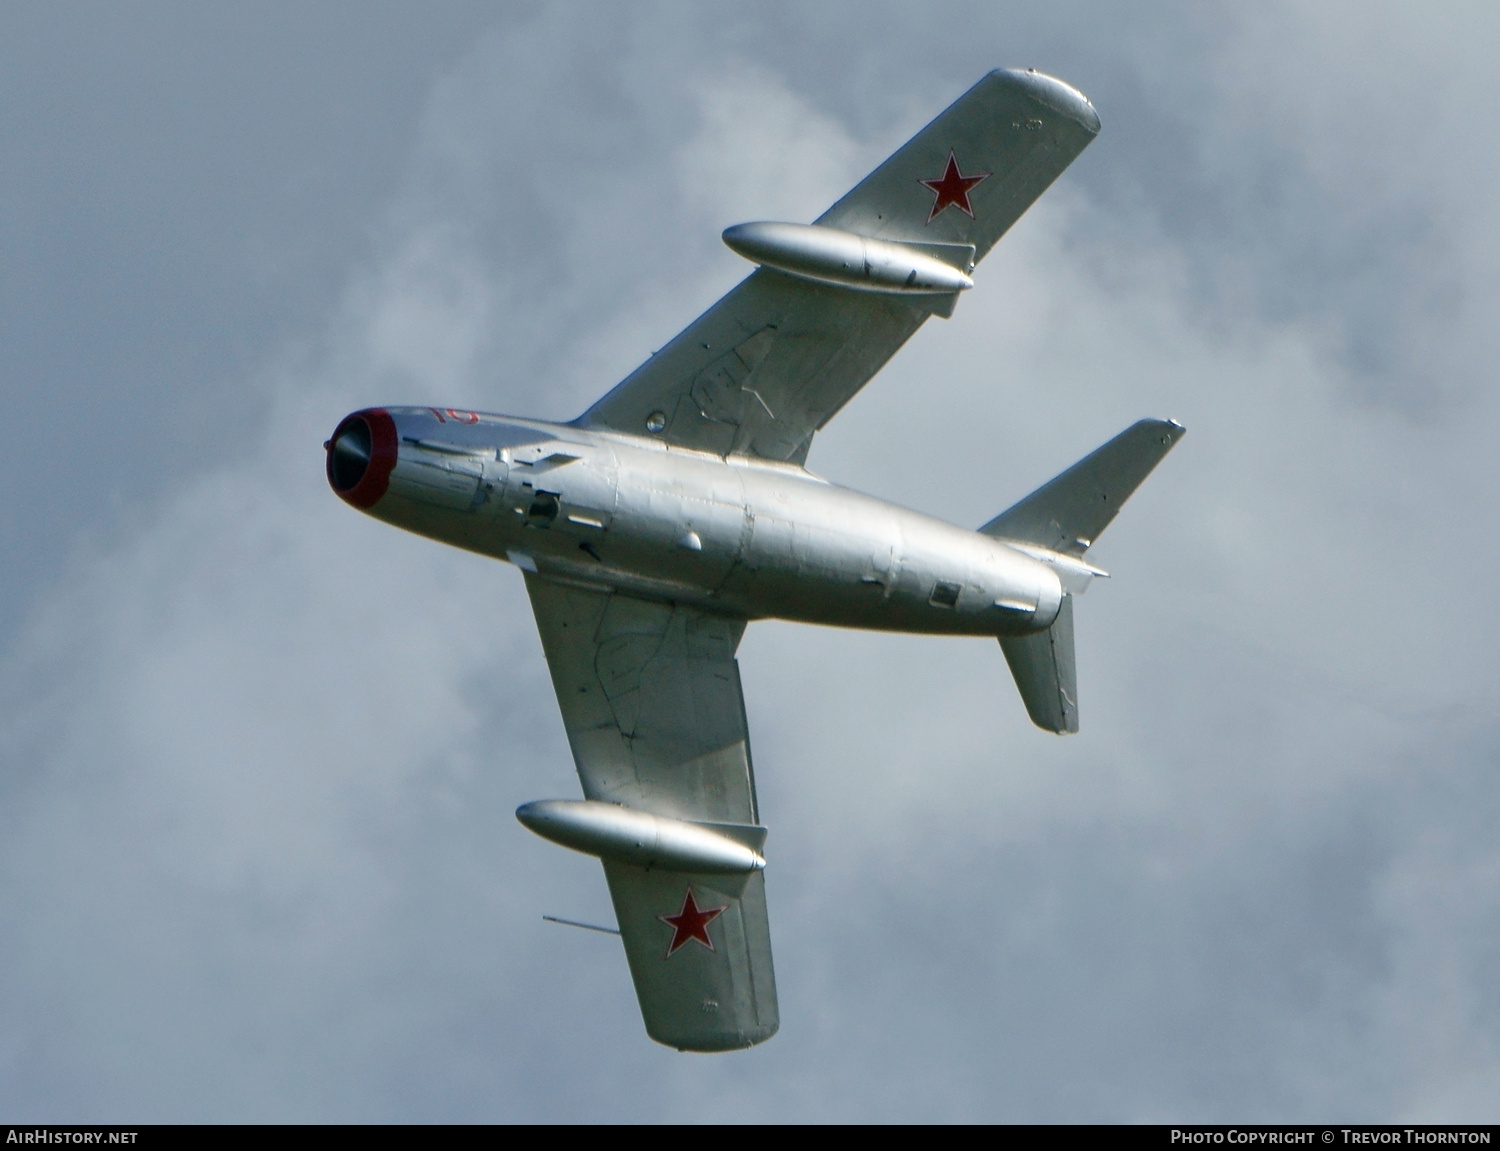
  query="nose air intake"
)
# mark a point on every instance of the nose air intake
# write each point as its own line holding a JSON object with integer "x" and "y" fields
{"x": 349, "y": 455}
{"x": 361, "y": 455}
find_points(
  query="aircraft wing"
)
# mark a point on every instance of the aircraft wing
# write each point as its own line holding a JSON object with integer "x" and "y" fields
{"x": 650, "y": 696}
{"x": 775, "y": 359}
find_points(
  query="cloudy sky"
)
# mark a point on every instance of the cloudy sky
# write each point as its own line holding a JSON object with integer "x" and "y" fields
{"x": 259, "y": 754}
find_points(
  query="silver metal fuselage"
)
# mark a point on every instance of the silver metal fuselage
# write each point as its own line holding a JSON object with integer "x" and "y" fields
{"x": 741, "y": 536}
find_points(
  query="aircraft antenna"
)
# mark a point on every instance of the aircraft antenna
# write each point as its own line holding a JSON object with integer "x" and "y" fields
{"x": 585, "y": 926}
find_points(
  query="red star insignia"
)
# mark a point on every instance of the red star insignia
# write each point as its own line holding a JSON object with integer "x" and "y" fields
{"x": 691, "y": 923}
{"x": 952, "y": 187}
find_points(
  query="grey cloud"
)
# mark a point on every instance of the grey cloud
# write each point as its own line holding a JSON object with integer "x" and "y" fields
{"x": 261, "y": 754}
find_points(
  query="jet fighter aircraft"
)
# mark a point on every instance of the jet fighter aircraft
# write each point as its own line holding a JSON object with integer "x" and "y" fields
{"x": 654, "y": 526}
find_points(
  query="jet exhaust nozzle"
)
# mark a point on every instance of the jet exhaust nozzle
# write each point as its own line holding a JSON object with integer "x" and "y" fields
{"x": 833, "y": 256}
{"x": 627, "y": 835}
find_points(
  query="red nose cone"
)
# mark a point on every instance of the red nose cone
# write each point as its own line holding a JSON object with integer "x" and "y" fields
{"x": 361, "y": 454}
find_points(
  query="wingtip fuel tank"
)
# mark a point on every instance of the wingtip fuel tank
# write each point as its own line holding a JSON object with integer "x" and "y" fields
{"x": 643, "y": 839}
{"x": 834, "y": 256}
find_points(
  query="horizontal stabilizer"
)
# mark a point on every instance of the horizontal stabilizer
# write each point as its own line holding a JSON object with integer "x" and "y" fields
{"x": 1046, "y": 673}
{"x": 1067, "y": 514}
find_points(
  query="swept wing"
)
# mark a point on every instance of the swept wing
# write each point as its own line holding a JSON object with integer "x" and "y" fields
{"x": 776, "y": 358}
{"x": 650, "y": 696}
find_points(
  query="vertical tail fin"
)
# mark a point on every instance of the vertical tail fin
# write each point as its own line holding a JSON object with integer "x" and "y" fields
{"x": 1046, "y": 673}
